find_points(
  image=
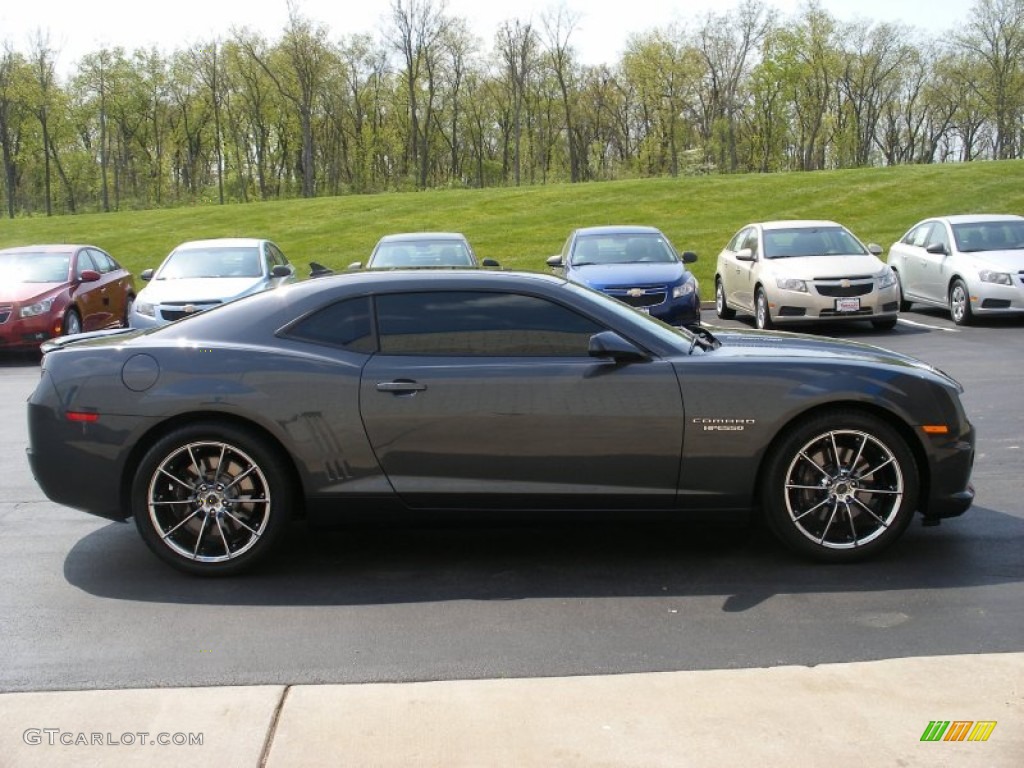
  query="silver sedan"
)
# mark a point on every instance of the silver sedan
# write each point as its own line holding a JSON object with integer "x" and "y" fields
{"x": 804, "y": 272}
{"x": 974, "y": 265}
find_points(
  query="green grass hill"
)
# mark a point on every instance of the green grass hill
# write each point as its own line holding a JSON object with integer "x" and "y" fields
{"x": 522, "y": 226}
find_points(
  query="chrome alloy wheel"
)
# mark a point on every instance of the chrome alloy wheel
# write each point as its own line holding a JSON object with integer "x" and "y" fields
{"x": 209, "y": 501}
{"x": 844, "y": 489}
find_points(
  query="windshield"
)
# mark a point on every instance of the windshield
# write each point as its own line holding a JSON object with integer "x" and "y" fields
{"x": 679, "y": 338}
{"x": 243, "y": 261}
{"x": 34, "y": 267}
{"x": 421, "y": 253}
{"x": 989, "y": 236}
{"x": 810, "y": 241}
{"x": 622, "y": 249}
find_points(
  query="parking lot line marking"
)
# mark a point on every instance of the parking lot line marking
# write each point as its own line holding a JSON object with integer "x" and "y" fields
{"x": 926, "y": 325}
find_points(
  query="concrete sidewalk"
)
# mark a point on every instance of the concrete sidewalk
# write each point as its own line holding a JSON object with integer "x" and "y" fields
{"x": 839, "y": 715}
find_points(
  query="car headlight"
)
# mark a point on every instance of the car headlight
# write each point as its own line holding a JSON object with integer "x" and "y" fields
{"x": 886, "y": 278}
{"x": 145, "y": 309}
{"x": 683, "y": 289}
{"x": 34, "y": 310}
{"x": 791, "y": 284}
{"x": 999, "y": 278}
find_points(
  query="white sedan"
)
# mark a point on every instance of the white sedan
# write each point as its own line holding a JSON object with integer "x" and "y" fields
{"x": 973, "y": 265}
{"x": 804, "y": 272}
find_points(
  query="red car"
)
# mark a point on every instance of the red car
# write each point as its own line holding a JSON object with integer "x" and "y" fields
{"x": 59, "y": 290}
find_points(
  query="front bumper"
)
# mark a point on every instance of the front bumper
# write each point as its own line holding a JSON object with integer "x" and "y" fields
{"x": 797, "y": 306}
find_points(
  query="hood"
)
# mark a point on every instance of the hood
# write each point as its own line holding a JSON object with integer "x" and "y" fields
{"x": 741, "y": 343}
{"x": 26, "y": 293}
{"x": 200, "y": 289}
{"x": 1002, "y": 261}
{"x": 828, "y": 267}
{"x": 610, "y": 275}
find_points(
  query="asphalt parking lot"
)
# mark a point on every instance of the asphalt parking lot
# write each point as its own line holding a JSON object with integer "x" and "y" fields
{"x": 87, "y": 607}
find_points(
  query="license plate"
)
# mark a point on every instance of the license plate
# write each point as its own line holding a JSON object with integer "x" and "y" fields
{"x": 847, "y": 305}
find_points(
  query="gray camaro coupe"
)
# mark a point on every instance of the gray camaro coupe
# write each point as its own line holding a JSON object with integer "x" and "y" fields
{"x": 475, "y": 393}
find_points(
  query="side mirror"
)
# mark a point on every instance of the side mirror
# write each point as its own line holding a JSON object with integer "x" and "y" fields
{"x": 89, "y": 276}
{"x": 875, "y": 248}
{"x": 689, "y": 257}
{"x": 492, "y": 263}
{"x": 355, "y": 266}
{"x": 281, "y": 270}
{"x": 744, "y": 254}
{"x": 555, "y": 261}
{"x": 147, "y": 274}
{"x": 937, "y": 248}
{"x": 608, "y": 344}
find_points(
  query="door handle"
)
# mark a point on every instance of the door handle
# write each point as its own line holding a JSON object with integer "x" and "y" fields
{"x": 400, "y": 387}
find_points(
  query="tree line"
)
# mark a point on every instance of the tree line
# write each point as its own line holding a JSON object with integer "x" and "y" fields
{"x": 426, "y": 104}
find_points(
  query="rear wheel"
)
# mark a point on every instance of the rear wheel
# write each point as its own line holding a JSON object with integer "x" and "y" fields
{"x": 721, "y": 306}
{"x": 129, "y": 302}
{"x": 762, "y": 317}
{"x": 211, "y": 498}
{"x": 840, "y": 486}
{"x": 960, "y": 303}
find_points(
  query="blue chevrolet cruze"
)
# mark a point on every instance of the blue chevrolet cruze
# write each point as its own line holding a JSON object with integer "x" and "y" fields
{"x": 637, "y": 265}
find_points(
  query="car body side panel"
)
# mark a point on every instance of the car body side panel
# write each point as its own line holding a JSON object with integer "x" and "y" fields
{"x": 525, "y": 433}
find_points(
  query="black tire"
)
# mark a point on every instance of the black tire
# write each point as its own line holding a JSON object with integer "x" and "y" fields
{"x": 721, "y": 305}
{"x": 211, "y": 498}
{"x": 960, "y": 303}
{"x": 840, "y": 486}
{"x": 886, "y": 324}
{"x": 904, "y": 304}
{"x": 72, "y": 323}
{"x": 762, "y": 316}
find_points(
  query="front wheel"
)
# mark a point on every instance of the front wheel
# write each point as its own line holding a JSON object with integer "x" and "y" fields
{"x": 904, "y": 304}
{"x": 211, "y": 498}
{"x": 839, "y": 487}
{"x": 72, "y": 323}
{"x": 960, "y": 303}
{"x": 721, "y": 305}
{"x": 762, "y": 317}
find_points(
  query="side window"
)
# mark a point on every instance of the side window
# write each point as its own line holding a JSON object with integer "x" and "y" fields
{"x": 479, "y": 324}
{"x": 737, "y": 240}
{"x": 938, "y": 234}
{"x": 345, "y": 324}
{"x": 103, "y": 262}
{"x": 750, "y": 241}
{"x": 85, "y": 262}
{"x": 919, "y": 235}
{"x": 276, "y": 257}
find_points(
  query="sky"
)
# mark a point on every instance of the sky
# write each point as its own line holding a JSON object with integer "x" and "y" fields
{"x": 75, "y": 28}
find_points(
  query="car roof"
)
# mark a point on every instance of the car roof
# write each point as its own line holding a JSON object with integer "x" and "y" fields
{"x": 978, "y": 218}
{"x": 222, "y": 242}
{"x": 407, "y": 236}
{"x": 797, "y": 224}
{"x": 427, "y": 279}
{"x": 619, "y": 229}
{"x": 47, "y": 248}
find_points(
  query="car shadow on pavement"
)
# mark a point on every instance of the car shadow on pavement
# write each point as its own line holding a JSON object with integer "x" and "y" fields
{"x": 394, "y": 564}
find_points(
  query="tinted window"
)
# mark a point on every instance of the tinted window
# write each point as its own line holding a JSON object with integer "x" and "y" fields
{"x": 345, "y": 324}
{"x": 480, "y": 325}
{"x": 102, "y": 261}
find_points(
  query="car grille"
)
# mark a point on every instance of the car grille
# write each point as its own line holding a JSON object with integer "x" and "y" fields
{"x": 170, "y": 314}
{"x": 639, "y": 296}
{"x": 840, "y": 289}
